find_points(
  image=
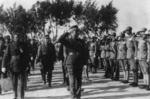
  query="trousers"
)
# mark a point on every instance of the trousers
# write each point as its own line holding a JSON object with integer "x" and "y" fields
{"x": 18, "y": 82}
{"x": 75, "y": 82}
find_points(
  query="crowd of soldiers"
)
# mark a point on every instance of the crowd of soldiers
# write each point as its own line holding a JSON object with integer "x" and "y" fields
{"x": 78, "y": 53}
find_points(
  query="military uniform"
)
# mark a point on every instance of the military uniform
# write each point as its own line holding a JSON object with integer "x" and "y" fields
{"x": 131, "y": 54}
{"x": 16, "y": 53}
{"x": 47, "y": 56}
{"x": 112, "y": 60}
{"x": 107, "y": 59}
{"x": 122, "y": 51}
{"x": 143, "y": 56}
{"x": 74, "y": 62}
{"x": 92, "y": 53}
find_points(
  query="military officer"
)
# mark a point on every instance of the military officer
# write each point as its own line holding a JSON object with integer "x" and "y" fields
{"x": 47, "y": 56}
{"x": 143, "y": 57}
{"x": 113, "y": 57}
{"x": 131, "y": 55}
{"x": 122, "y": 51}
{"x": 75, "y": 60}
{"x": 16, "y": 54}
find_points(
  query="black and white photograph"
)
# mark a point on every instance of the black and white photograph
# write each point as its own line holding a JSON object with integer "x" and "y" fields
{"x": 74, "y": 49}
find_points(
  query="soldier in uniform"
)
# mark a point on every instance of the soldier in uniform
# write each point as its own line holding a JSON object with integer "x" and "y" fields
{"x": 16, "y": 53}
{"x": 112, "y": 59}
{"x": 143, "y": 57}
{"x": 75, "y": 60}
{"x": 47, "y": 56}
{"x": 107, "y": 56}
{"x": 33, "y": 51}
{"x": 131, "y": 55}
{"x": 103, "y": 54}
{"x": 2, "y": 49}
{"x": 92, "y": 53}
{"x": 122, "y": 51}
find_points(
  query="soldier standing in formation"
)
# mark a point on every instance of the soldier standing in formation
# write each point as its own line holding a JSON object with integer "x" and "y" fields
{"x": 131, "y": 55}
{"x": 143, "y": 57}
{"x": 92, "y": 53}
{"x": 122, "y": 51}
{"x": 113, "y": 58}
{"x": 47, "y": 56}
{"x": 16, "y": 54}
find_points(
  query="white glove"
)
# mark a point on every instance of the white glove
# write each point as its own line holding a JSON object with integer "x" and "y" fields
{"x": 3, "y": 70}
{"x": 148, "y": 60}
{"x": 31, "y": 58}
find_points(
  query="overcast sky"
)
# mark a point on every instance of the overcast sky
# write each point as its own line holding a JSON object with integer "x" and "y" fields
{"x": 135, "y": 13}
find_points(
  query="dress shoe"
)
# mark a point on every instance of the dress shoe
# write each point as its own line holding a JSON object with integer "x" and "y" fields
{"x": 68, "y": 89}
{"x": 106, "y": 76}
{"x": 143, "y": 87}
{"x": 147, "y": 88}
{"x": 116, "y": 79}
{"x": 49, "y": 85}
{"x": 133, "y": 84}
{"x": 82, "y": 89}
{"x": 44, "y": 82}
{"x": 125, "y": 81}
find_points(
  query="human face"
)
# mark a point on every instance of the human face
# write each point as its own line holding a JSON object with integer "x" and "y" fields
{"x": 46, "y": 40}
{"x": 16, "y": 38}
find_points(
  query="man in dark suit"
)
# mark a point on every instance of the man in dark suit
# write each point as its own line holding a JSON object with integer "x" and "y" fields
{"x": 16, "y": 53}
{"x": 75, "y": 60}
{"x": 47, "y": 56}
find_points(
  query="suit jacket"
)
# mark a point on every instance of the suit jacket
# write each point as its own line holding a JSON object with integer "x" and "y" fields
{"x": 46, "y": 55}
{"x": 17, "y": 55}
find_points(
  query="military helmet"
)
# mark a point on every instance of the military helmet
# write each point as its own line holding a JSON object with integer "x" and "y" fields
{"x": 148, "y": 32}
{"x": 113, "y": 34}
{"x": 143, "y": 30}
{"x": 129, "y": 28}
